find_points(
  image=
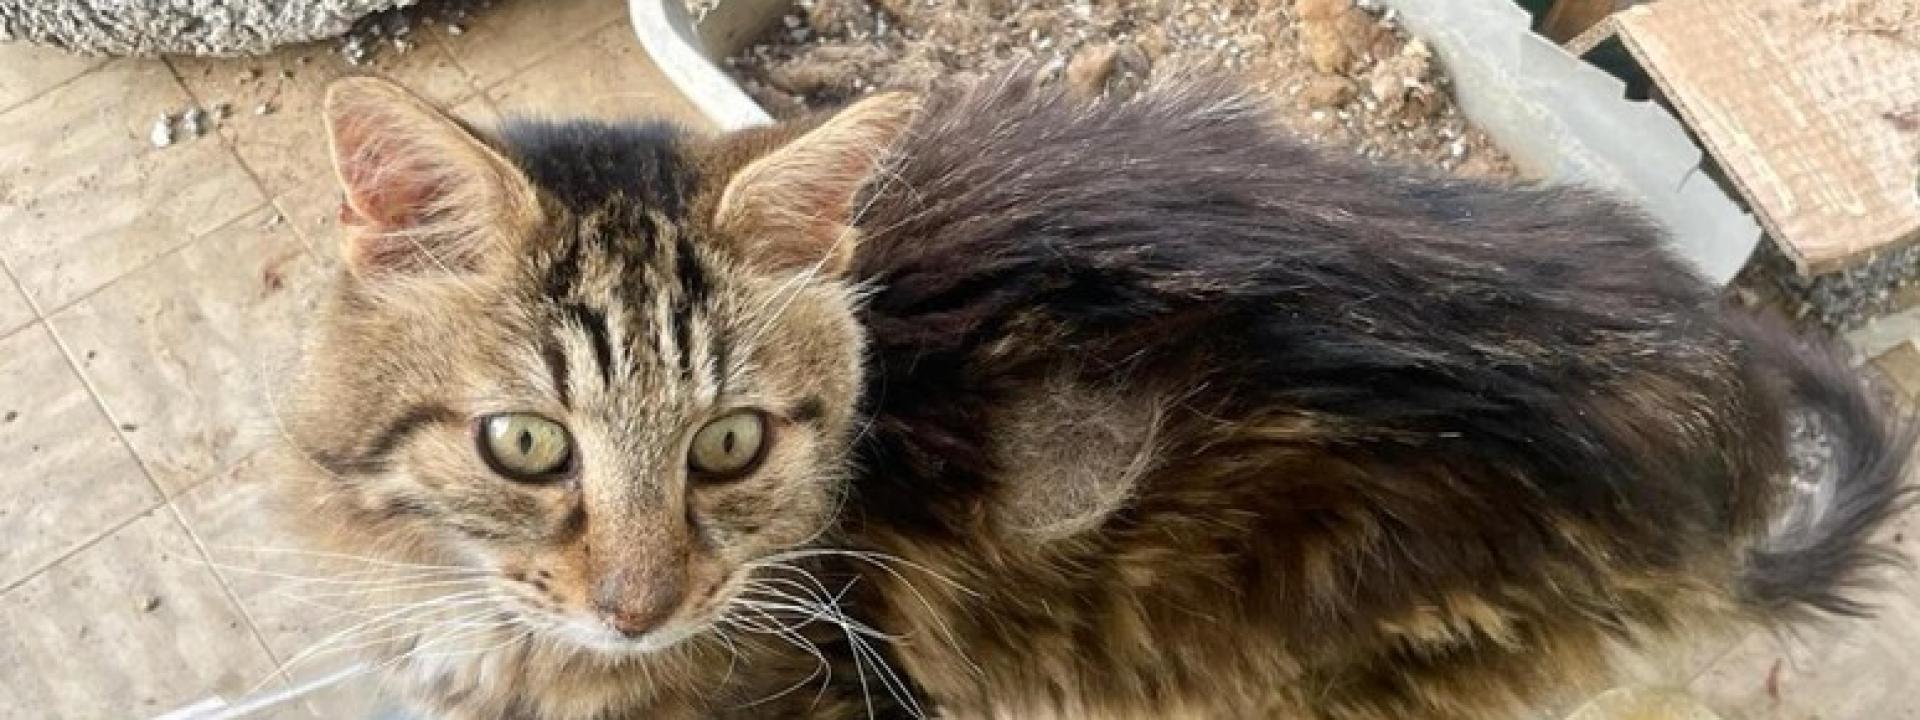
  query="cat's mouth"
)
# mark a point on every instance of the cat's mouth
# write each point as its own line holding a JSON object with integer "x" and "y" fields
{"x": 595, "y": 636}
{"x": 594, "y": 632}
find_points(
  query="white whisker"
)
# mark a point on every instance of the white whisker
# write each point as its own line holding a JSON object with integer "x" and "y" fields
{"x": 798, "y": 641}
{"x": 335, "y": 556}
{"x": 382, "y": 621}
{"x": 389, "y": 588}
{"x": 779, "y": 561}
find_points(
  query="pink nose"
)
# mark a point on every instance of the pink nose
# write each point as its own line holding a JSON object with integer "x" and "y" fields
{"x": 633, "y": 609}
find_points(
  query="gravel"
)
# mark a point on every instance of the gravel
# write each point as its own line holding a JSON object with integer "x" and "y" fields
{"x": 1837, "y": 301}
{"x": 162, "y": 133}
{"x": 192, "y": 122}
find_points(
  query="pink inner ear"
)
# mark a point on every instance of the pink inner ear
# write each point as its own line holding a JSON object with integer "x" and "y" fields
{"x": 383, "y": 195}
{"x": 420, "y": 192}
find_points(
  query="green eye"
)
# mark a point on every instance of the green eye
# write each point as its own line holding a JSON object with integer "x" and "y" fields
{"x": 524, "y": 446}
{"x": 729, "y": 447}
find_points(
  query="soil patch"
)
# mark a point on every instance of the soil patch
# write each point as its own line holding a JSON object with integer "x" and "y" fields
{"x": 1341, "y": 72}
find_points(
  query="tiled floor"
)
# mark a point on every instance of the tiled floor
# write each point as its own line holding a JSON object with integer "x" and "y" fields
{"x": 151, "y": 296}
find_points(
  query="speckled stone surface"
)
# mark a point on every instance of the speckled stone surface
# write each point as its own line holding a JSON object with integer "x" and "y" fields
{"x": 180, "y": 27}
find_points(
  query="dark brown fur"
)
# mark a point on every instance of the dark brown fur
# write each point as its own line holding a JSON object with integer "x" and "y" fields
{"x": 1432, "y": 448}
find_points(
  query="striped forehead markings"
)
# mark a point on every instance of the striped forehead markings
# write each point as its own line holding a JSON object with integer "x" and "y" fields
{"x": 657, "y": 289}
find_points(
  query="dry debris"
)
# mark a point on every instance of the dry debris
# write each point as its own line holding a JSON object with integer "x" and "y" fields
{"x": 162, "y": 133}
{"x": 393, "y": 29}
{"x": 1838, "y": 301}
{"x": 192, "y": 122}
{"x": 1340, "y": 71}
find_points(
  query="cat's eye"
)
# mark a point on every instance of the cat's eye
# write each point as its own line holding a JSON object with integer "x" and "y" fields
{"x": 525, "y": 447}
{"x": 729, "y": 447}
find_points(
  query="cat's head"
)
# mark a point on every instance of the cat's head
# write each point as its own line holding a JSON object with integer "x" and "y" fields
{"x": 611, "y": 368}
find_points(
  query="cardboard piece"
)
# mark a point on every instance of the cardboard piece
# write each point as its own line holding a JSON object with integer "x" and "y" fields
{"x": 1811, "y": 109}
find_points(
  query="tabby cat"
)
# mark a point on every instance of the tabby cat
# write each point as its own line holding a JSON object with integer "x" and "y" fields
{"x": 1088, "y": 408}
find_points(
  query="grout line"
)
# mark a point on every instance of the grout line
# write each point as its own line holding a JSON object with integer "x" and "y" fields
{"x": 179, "y": 516}
{"x": 435, "y": 42}
{"x": 247, "y": 706}
{"x": 6, "y": 335}
{"x": 547, "y": 53}
{"x": 169, "y": 500}
{"x": 438, "y": 43}
{"x": 229, "y": 142}
{"x": 309, "y": 245}
{"x": 44, "y": 313}
{"x": 141, "y": 266}
{"x": 6, "y": 268}
{"x": 493, "y": 104}
{"x": 40, "y": 319}
{"x": 80, "y": 547}
{"x": 48, "y": 313}
{"x": 146, "y": 470}
{"x": 1695, "y": 673}
{"x": 106, "y": 412}
{"x": 226, "y": 588}
{"x": 272, "y": 200}
{"x": 23, "y": 102}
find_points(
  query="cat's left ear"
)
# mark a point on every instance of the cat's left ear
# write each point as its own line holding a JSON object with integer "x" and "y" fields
{"x": 423, "y": 193}
{"x": 794, "y": 207}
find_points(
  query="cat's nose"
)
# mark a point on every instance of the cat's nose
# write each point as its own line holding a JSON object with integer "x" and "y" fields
{"x": 634, "y": 607}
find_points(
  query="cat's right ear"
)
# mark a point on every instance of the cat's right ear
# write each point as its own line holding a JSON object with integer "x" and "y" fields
{"x": 422, "y": 193}
{"x": 794, "y": 207}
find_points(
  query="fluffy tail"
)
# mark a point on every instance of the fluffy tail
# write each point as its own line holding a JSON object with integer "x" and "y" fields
{"x": 1851, "y": 468}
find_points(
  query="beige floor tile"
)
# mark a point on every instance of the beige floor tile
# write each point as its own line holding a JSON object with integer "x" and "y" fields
{"x": 478, "y": 112}
{"x": 28, "y": 70}
{"x": 133, "y": 626}
{"x": 604, "y": 75}
{"x": 287, "y": 146}
{"x": 1902, "y": 366}
{"x": 185, "y": 367}
{"x": 515, "y": 34}
{"x": 290, "y": 596}
{"x": 67, "y": 477}
{"x": 84, "y": 194}
{"x": 1643, "y": 703}
{"x": 312, "y": 210}
{"x": 356, "y": 698}
{"x": 14, "y": 311}
{"x": 1842, "y": 670}
{"x": 1843, "y": 673}
{"x": 240, "y": 518}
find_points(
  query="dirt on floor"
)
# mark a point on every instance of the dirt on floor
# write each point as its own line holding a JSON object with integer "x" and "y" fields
{"x": 1341, "y": 72}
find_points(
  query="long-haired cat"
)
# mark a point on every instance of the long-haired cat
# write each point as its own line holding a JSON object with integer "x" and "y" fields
{"x": 538, "y": 387}
{"x": 1118, "y": 409}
